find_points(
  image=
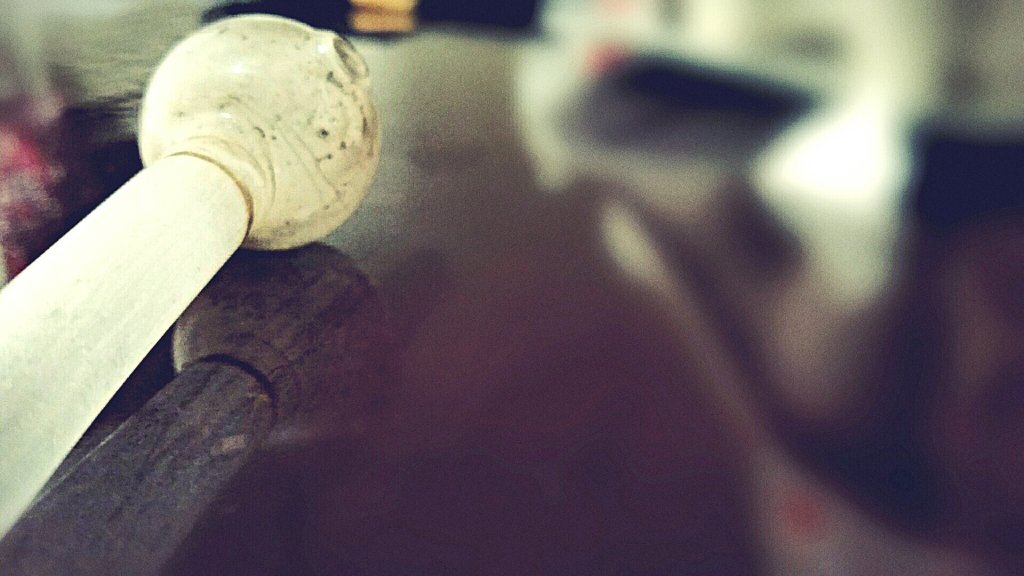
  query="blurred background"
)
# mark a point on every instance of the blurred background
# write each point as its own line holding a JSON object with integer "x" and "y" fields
{"x": 723, "y": 286}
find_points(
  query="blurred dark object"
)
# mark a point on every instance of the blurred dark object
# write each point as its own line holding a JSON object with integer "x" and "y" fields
{"x": 977, "y": 414}
{"x": 677, "y": 110}
{"x": 512, "y": 14}
{"x": 506, "y": 14}
{"x": 690, "y": 88}
{"x": 965, "y": 179}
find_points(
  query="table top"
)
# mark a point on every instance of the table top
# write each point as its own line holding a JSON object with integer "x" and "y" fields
{"x": 603, "y": 339}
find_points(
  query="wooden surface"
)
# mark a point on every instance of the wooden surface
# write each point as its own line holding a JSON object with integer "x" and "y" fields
{"x": 306, "y": 321}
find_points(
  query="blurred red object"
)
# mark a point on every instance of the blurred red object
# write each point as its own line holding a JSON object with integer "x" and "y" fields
{"x": 30, "y": 210}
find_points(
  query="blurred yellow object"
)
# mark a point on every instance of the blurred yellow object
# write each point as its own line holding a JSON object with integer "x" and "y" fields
{"x": 378, "y": 21}
{"x": 398, "y": 6}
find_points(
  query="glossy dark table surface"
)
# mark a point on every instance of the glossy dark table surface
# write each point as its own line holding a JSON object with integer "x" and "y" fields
{"x": 591, "y": 377}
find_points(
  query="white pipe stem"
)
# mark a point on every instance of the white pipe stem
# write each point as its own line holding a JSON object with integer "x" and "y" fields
{"x": 78, "y": 320}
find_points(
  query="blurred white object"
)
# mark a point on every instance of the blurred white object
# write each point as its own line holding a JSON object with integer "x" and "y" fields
{"x": 835, "y": 178}
{"x": 878, "y": 67}
{"x": 873, "y": 65}
{"x": 827, "y": 48}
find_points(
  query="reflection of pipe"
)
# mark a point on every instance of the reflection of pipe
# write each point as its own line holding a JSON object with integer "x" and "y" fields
{"x": 129, "y": 504}
{"x": 275, "y": 336}
{"x": 293, "y": 317}
{"x": 643, "y": 265}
